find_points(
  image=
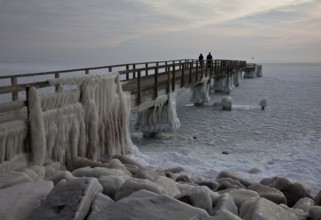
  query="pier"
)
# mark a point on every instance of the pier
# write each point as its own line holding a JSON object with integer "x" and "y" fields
{"x": 60, "y": 115}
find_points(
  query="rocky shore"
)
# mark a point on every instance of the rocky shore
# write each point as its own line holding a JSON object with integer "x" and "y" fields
{"x": 119, "y": 188}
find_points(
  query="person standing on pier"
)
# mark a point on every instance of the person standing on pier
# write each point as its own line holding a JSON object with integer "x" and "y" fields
{"x": 200, "y": 59}
{"x": 209, "y": 59}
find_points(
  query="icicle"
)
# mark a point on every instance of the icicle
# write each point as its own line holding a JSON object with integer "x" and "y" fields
{"x": 200, "y": 92}
{"x": 38, "y": 140}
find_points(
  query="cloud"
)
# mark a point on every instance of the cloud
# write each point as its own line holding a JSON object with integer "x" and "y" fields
{"x": 122, "y": 26}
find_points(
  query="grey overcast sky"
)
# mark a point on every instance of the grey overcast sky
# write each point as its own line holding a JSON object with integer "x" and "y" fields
{"x": 122, "y": 31}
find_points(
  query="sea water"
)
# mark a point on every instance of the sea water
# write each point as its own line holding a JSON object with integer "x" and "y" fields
{"x": 283, "y": 140}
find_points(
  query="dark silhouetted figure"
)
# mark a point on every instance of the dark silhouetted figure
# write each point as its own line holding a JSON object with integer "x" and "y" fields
{"x": 200, "y": 59}
{"x": 209, "y": 59}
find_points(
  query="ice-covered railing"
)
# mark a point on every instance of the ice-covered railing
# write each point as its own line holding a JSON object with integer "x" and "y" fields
{"x": 187, "y": 70}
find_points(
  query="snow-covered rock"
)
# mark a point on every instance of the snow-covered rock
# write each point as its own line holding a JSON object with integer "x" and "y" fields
{"x": 269, "y": 193}
{"x": 147, "y": 205}
{"x": 227, "y": 103}
{"x": 263, "y": 209}
{"x": 69, "y": 200}
{"x": 111, "y": 184}
{"x": 19, "y": 201}
{"x": 100, "y": 203}
{"x": 225, "y": 202}
{"x": 12, "y": 178}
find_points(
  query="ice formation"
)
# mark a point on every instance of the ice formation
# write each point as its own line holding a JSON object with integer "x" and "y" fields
{"x": 237, "y": 77}
{"x": 259, "y": 71}
{"x": 162, "y": 117}
{"x": 263, "y": 103}
{"x": 88, "y": 121}
{"x": 200, "y": 91}
{"x": 219, "y": 84}
{"x": 227, "y": 103}
{"x": 229, "y": 83}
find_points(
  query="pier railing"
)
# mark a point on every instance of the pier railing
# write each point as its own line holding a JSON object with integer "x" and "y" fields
{"x": 192, "y": 68}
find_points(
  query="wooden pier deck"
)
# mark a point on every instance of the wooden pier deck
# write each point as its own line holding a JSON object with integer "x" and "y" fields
{"x": 144, "y": 81}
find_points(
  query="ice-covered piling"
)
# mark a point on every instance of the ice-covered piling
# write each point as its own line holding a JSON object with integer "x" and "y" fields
{"x": 200, "y": 91}
{"x": 162, "y": 117}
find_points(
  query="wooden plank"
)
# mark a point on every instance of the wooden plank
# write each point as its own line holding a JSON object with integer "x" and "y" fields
{"x": 14, "y": 95}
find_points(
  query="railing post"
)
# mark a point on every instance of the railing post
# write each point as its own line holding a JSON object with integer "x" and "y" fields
{"x": 57, "y": 86}
{"x": 168, "y": 89}
{"x": 14, "y": 95}
{"x": 86, "y": 72}
{"x": 146, "y": 71}
{"x": 134, "y": 73}
{"x": 197, "y": 69}
{"x": 139, "y": 92}
{"x": 183, "y": 72}
{"x": 156, "y": 82}
{"x": 127, "y": 73}
{"x": 173, "y": 77}
{"x": 110, "y": 69}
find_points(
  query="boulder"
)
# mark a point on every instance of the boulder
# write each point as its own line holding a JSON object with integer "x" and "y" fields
{"x": 20, "y": 200}
{"x": 210, "y": 184}
{"x": 224, "y": 214}
{"x": 304, "y": 203}
{"x": 100, "y": 203}
{"x": 147, "y": 205}
{"x": 69, "y": 200}
{"x": 240, "y": 196}
{"x": 292, "y": 191}
{"x": 60, "y": 175}
{"x": 111, "y": 184}
{"x": 144, "y": 173}
{"x": 184, "y": 178}
{"x": 12, "y": 178}
{"x": 228, "y": 183}
{"x": 228, "y": 174}
{"x": 80, "y": 162}
{"x": 51, "y": 168}
{"x": 315, "y": 213}
{"x": 269, "y": 193}
{"x": 98, "y": 171}
{"x": 198, "y": 197}
{"x": 317, "y": 199}
{"x": 116, "y": 164}
{"x": 263, "y": 209}
{"x": 133, "y": 185}
{"x": 225, "y": 202}
{"x": 169, "y": 186}
{"x": 299, "y": 213}
{"x": 126, "y": 160}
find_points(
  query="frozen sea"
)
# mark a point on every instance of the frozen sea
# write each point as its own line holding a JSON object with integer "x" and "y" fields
{"x": 283, "y": 140}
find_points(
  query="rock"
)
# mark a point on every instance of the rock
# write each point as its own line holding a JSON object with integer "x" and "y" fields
{"x": 174, "y": 169}
{"x": 80, "y": 162}
{"x": 263, "y": 103}
{"x": 240, "y": 196}
{"x": 126, "y": 160}
{"x": 304, "y": 203}
{"x": 228, "y": 183}
{"x": 169, "y": 185}
{"x": 116, "y": 164}
{"x": 20, "y": 200}
{"x": 60, "y": 175}
{"x": 12, "y": 178}
{"x": 225, "y": 202}
{"x": 317, "y": 199}
{"x": 198, "y": 197}
{"x": 144, "y": 173}
{"x": 184, "y": 178}
{"x": 133, "y": 185}
{"x": 51, "y": 168}
{"x": 263, "y": 209}
{"x": 299, "y": 213}
{"x": 98, "y": 171}
{"x": 31, "y": 173}
{"x": 132, "y": 168}
{"x": 224, "y": 215}
{"x": 315, "y": 213}
{"x": 100, "y": 203}
{"x": 269, "y": 193}
{"x": 147, "y": 205}
{"x": 69, "y": 200}
{"x": 292, "y": 191}
{"x": 228, "y": 174}
{"x": 211, "y": 185}
{"x": 111, "y": 184}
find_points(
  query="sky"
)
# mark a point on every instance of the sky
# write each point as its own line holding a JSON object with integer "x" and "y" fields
{"x": 124, "y": 31}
